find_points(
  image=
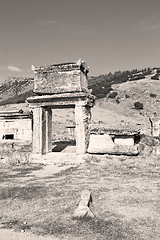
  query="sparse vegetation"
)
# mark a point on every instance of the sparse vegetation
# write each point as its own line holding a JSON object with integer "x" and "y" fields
{"x": 117, "y": 100}
{"x": 17, "y": 89}
{"x": 138, "y": 105}
{"x": 155, "y": 77}
{"x": 102, "y": 84}
{"x": 127, "y": 96}
{"x": 153, "y": 95}
{"x": 112, "y": 95}
{"x": 18, "y": 98}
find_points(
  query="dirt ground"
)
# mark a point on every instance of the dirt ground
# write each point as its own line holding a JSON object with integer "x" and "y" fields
{"x": 37, "y": 201}
{"x": 6, "y": 234}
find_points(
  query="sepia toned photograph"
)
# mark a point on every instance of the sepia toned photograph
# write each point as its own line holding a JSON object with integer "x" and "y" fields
{"x": 79, "y": 120}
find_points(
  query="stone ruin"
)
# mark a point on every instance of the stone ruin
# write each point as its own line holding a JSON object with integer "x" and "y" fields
{"x": 65, "y": 85}
{"x": 60, "y": 86}
{"x": 83, "y": 209}
{"x": 113, "y": 141}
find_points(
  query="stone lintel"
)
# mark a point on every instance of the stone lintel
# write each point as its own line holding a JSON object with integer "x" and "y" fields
{"x": 61, "y": 100}
{"x": 15, "y": 115}
{"x": 103, "y": 129}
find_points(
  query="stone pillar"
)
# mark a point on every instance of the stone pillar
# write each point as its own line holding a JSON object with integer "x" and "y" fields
{"x": 48, "y": 130}
{"x": 155, "y": 126}
{"x": 39, "y": 130}
{"x": 82, "y": 119}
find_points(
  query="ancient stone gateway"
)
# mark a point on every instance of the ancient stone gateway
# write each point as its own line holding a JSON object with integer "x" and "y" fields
{"x": 60, "y": 86}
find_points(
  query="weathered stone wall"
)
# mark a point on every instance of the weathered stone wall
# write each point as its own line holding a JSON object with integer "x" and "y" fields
{"x": 15, "y": 152}
{"x": 20, "y": 128}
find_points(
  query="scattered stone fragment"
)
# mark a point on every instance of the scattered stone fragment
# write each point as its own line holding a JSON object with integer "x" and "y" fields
{"x": 83, "y": 210}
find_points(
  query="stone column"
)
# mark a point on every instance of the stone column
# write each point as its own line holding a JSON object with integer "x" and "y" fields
{"x": 155, "y": 126}
{"x": 48, "y": 130}
{"x": 39, "y": 130}
{"x": 82, "y": 118}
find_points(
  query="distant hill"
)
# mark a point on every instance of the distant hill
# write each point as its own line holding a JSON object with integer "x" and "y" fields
{"x": 102, "y": 84}
{"x": 130, "y": 103}
{"x": 124, "y": 99}
{"x": 16, "y": 90}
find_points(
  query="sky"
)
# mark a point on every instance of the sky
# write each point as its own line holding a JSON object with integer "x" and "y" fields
{"x": 109, "y": 35}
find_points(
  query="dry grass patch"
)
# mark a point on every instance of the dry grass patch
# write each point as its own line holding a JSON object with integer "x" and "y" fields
{"x": 125, "y": 194}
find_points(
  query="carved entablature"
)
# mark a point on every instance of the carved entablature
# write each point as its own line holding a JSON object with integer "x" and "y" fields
{"x": 62, "y": 100}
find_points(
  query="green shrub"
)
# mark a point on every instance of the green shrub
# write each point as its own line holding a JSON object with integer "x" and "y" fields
{"x": 153, "y": 95}
{"x": 138, "y": 105}
{"x": 112, "y": 95}
{"x": 117, "y": 100}
{"x": 127, "y": 96}
{"x": 155, "y": 77}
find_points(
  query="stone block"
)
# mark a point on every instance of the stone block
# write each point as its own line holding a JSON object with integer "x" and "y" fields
{"x": 124, "y": 140}
{"x": 83, "y": 210}
{"x": 100, "y": 143}
{"x": 103, "y": 144}
{"x": 61, "y": 78}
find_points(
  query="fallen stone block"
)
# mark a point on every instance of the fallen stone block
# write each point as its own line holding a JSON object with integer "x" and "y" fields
{"x": 83, "y": 210}
{"x": 100, "y": 143}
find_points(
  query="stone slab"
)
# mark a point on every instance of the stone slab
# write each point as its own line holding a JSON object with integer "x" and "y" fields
{"x": 124, "y": 140}
{"x": 100, "y": 143}
{"x": 103, "y": 144}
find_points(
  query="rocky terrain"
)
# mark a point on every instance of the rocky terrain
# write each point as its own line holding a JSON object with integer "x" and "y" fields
{"x": 15, "y": 90}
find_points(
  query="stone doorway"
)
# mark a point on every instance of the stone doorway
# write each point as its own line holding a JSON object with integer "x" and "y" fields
{"x": 60, "y": 86}
{"x": 42, "y": 120}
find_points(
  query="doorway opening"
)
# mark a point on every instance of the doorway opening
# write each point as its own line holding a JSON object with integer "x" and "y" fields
{"x": 63, "y": 130}
{"x": 8, "y": 136}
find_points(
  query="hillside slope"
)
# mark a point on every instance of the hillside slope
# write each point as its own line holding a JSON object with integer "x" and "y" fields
{"x": 15, "y": 90}
{"x": 116, "y": 109}
{"x": 119, "y": 105}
